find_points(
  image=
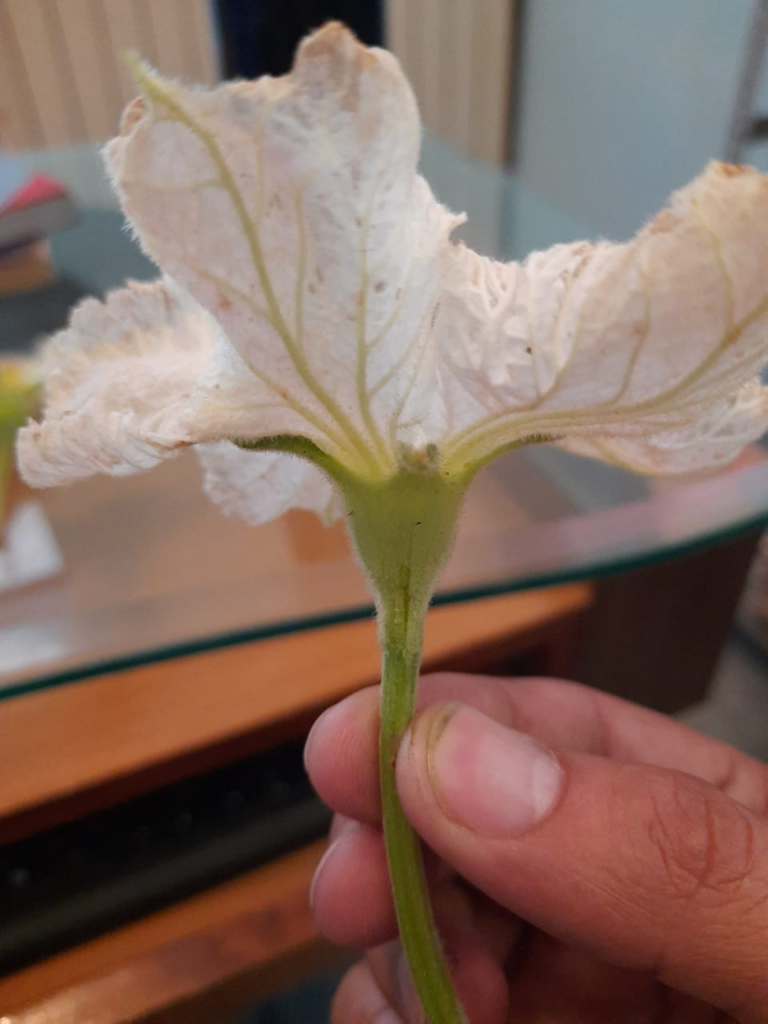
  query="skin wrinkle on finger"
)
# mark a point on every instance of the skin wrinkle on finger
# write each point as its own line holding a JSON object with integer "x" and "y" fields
{"x": 611, "y": 900}
{"x": 717, "y": 863}
{"x": 528, "y": 977}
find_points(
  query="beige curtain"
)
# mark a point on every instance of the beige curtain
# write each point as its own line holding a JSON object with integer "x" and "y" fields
{"x": 61, "y": 77}
{"x": 458, "y": 55}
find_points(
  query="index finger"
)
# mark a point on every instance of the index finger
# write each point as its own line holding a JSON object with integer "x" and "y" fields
{"x": 342, "y": 749}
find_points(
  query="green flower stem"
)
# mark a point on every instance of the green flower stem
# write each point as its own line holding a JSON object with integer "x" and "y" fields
{"x": 406, "y": 869}
{"x": 403, "y": 530}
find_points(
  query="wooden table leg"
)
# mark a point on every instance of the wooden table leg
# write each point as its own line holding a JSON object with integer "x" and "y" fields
{"x": 654, "y": 635}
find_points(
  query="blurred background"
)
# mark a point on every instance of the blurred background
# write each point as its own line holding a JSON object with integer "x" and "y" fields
{"x": 160, "y": 666}
{"x": 604, "y": 107}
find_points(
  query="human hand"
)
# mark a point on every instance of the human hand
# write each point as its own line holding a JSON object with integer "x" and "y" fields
{"x": 603, "y": 864}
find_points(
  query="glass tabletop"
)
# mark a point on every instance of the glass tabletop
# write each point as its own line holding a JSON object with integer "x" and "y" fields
{"x": 115, "y": 572}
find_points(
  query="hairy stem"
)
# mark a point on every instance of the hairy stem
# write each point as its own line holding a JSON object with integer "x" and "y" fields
{"x": 401, "y": 632}
{"x": 403, "y": 530}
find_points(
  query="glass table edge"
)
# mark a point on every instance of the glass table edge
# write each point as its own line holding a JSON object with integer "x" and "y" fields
{"x": 356, "y": 613}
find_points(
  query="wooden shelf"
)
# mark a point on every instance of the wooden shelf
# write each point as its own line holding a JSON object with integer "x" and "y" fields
{"x": 190, "y": 962}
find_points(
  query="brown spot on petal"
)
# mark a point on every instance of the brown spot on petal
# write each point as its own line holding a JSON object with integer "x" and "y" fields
{"x": 732, "y": 170}
{"x": 663, "y": 222}
{"x": 223, "y": 304}
{"x": 132, "y": 114}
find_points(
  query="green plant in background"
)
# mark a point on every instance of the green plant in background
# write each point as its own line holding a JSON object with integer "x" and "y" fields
{"x": 322, "y": 342}
{"x": 19, "y": 393}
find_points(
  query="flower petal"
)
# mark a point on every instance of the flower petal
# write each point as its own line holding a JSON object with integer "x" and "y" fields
{"x": 715, "y": 439}
{"x": 611, "y": 342}
{"x": 117, "y": 386}
{"x": 290, "y": 208}
{"x": 135, "y": 378}
{"x": 259, "y": 486}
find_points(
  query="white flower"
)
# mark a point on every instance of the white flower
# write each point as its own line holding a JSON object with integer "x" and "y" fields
{"x": 311, "y": 291}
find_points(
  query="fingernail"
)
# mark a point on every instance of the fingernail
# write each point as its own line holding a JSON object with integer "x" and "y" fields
{"x": 319, "y": 870}
{"x": 488, "y": 778}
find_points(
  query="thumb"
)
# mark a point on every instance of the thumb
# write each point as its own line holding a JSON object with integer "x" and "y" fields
{"x": 645, "y": 867}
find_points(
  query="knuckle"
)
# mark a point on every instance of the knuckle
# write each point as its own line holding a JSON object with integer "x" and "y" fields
{"x": 703, "y": 844}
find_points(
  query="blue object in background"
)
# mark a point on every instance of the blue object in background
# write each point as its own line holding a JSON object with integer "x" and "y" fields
{"x": 12, "y": 177}
{"x": 624, "y": 101}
